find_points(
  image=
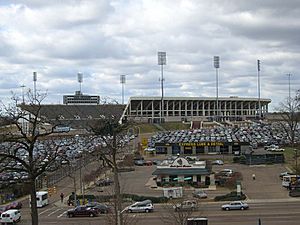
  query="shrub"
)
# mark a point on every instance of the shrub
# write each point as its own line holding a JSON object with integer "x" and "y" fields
{"x": 243, "y": 159}
{"x": 232, "y": 196}
{"x": 135, "y": 198}
{"x": 236, "y": 159}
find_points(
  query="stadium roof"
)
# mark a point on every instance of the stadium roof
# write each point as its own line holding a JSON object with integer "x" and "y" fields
{"x": 75, "y": 116}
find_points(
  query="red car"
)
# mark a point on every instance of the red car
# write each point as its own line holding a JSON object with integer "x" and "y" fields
{"x": 148, "y": 163}
{"x": 14, "y": 205}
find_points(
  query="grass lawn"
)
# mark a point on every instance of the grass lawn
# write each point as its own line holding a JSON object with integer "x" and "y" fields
{"x": 289, "y": 155}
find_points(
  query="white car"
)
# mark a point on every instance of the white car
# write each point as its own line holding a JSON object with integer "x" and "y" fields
{"x": 188, "y": 205}
{"x": 10, "y": 216}
{"x": 235, "y": 205}
{"x": 218, "y": 162}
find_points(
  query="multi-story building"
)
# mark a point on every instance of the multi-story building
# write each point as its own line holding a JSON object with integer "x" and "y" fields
{"x": 81, "y": 99}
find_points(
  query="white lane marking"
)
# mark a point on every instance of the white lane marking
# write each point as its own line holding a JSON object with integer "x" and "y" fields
{"x": 62, "y": 214}
{"x": 54, "y": 212}
{"x": 47, "y": 210}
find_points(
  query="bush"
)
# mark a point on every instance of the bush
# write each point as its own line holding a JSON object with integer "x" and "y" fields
{"x": 243, "y": 159}
{"x": 232, "y": 196}
{"x": 236, "y": 159}
{"x": 135, "y": 198}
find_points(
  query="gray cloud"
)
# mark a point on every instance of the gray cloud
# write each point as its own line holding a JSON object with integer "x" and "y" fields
{"x": 104, "y": 39}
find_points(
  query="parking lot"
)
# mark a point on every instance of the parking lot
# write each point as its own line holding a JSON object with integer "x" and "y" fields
{"x": 267, "y": 184}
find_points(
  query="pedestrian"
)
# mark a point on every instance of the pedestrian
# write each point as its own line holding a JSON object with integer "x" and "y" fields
{"x": 253, "y": 176}
{"x": 61, "y": 197}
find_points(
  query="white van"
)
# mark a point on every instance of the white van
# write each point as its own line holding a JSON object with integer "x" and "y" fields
{"x": 10, "y": 216}
{"x": 144, "y": 206}
{"x": 42, "y": 198}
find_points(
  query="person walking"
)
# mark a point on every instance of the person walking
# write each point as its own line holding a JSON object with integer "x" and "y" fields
{"x": 61, "y": 197}
{"x": 253, "y": 176}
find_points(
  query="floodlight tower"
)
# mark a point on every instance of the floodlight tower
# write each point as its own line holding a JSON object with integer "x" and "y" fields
{"x": 289, "y": 77}
{"x": 34, "y": 85}
{"x": 80, "y": 80}
{"x": 217, "y": 66}
{"x": 258, "y": 88}
{"x": 122, "y": 81}
{"x": 23, "y": 100}
{"x": 162, "y": 60}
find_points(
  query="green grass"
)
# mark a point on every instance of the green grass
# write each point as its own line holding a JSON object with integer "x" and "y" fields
{"x": 289, "y": 155}
{"x": 150, "y": 128}
{"x": 147, "y": 128}
{"x": 175, "y": 126}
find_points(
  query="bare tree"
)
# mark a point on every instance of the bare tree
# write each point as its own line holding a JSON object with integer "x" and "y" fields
{"x": 175, "y": 213}
{"x": 26, "y": 146}
{"x": 112, "y": 133}
{"x": 290, "y": 116}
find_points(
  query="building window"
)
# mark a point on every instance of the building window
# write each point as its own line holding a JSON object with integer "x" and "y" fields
{"x": 161, "y": 150}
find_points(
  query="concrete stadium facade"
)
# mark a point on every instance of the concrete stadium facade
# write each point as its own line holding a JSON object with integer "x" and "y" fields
{"x": 149, "y": 109}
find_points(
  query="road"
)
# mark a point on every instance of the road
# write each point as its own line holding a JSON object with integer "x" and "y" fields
{"x": 271, "y": 213}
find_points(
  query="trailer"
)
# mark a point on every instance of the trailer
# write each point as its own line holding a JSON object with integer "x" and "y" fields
{"x": 173, "y": 192}
{"x": 197, "y": 221}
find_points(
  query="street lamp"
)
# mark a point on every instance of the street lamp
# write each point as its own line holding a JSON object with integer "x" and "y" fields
{"x": 217, "y": 66}
{"x": 162, "y": 60}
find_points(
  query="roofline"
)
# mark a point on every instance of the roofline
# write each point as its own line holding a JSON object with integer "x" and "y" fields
{"x": 233, "y": 98}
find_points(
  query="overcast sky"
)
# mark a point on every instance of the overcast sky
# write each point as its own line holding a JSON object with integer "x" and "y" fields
{"x": 104, "y": 39}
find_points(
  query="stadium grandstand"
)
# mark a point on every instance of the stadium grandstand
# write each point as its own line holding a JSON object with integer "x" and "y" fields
{"x": 75, "y": 116}
{"x": 176, "y": 109}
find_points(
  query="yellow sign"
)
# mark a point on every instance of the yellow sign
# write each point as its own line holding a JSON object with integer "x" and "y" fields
{"x": 144, "y": 141}
{"x": 202, "y": 144}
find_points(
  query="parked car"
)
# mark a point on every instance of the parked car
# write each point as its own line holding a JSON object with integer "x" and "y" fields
{"x": 139, "y": 162}
{"x": 295, "y": 192}
{"x": 148, "y": 163}
{"x": 10, "y": 216}
{"x": 100, "y": 206}
{"x": 286, "y": 173}
{"x": 235, "y": 205}
{"x": 3, "y": 208}
{"x": 144, "y": 206}
{"x": 14, "y": 205}
{"x": 104, "y": 182}
{"x": 83, "y": 211}
{"x": 187, "y": 205}
{"x": 199, "y": 194}
{"x": 217, "y": 162}
{"x": 156, "y": 162}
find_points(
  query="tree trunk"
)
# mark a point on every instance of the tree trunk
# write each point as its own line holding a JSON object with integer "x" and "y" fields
{"x": 118, "y": 199}
{"x": 33, "y": 205}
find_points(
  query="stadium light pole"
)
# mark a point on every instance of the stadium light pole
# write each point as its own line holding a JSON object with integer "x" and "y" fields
{"x": 162, "y": 60}
{"x": 23, "y": 100}
{"x": 289, "y": 77}
{"x": 258, "y": 88}
{"x": 217, "y": 66}
{"x": 122, "y": 81}
{"x": 34, "y": 85}
{"x": 80, "y": 80}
